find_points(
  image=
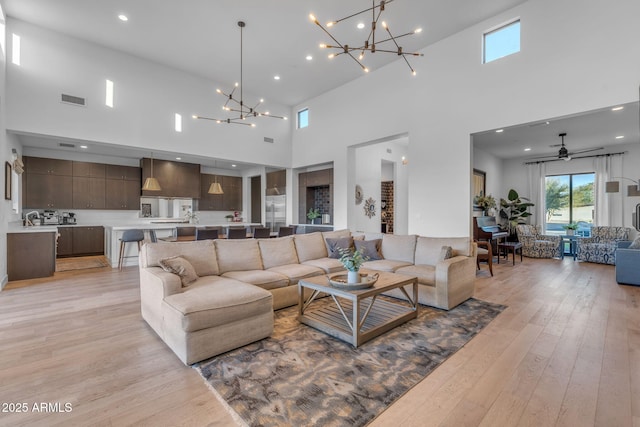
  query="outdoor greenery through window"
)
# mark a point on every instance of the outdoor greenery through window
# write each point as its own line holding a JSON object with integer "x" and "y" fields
{"x": 501, "y": 42}
{"x": 303, "y": 118}
{"x": 570, "y": 199}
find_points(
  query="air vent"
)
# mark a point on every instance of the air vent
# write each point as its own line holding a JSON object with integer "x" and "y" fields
{"x": 269, "y": 140}
{"x": 74, "y": 100}
{"x": 66, "y": 145}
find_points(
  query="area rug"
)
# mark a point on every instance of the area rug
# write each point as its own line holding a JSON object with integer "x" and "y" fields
{"x": 302, "y": 377}
{"x": 80, "y": 263}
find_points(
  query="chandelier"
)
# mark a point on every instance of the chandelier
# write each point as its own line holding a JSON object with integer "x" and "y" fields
{"x": 371, "y": 44}
{"x": 237, "y": 105}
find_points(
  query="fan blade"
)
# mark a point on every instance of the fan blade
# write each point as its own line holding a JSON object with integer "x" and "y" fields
{"x": 585, "y": 151}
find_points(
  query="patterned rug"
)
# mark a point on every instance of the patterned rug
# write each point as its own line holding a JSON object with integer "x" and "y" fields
{"x": 302, "y": 377}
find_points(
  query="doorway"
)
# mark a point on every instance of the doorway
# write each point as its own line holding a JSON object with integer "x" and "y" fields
{"x": 256, "y": 199}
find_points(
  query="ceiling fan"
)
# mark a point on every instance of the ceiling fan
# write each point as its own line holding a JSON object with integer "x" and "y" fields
{"x": 563, "y": 152}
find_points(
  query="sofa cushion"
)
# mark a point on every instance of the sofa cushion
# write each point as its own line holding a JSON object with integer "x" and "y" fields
{"x": 370, "y": 248}
{"x": 296, "y": 272}
{"x": 201, "y": 254}
{"x": 385, "y": 265}
{"x": 263, "y": 278}
{"x": 180, "y": 266}
{"x": 336, "y": 247}
{"x": 399, "y": 248}
{"x": 310, "y": 246}
{"x": 280, "y": 251}
{"x": 636, "y": 243}
{"x": 426, "y": 274}
{"x": 428, "y": 249}
{"x": 238, "y": 255}
{"x": 329, "y": 265}
{"x": 216, "y": 301}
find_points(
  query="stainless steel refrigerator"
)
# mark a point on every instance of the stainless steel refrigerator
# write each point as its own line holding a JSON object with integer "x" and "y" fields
{"x": 276, "y": 207}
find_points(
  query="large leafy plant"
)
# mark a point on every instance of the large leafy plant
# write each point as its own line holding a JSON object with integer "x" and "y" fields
{"x": 514, "y": 210}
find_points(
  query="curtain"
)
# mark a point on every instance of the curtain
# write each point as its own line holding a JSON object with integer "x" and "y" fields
{"x": 537, "y": 194}
{"x": 602, "y": 166}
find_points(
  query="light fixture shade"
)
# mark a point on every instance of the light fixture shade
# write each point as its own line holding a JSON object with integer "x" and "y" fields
{"x": 151, "y": 184}
{"x": 215, "y": 188}
{"x": 612, "y": 187}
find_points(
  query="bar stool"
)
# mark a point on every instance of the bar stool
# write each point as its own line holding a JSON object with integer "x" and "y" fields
{"x": 129, "y": 236}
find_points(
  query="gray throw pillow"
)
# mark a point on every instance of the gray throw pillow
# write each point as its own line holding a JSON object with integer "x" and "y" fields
{"x": 370, "y": 248}
{"x": 636, "y": 243}
{"x": 446, "y": 252}
{"x": 180, "y": 266}
{"x": 334, "y": 246}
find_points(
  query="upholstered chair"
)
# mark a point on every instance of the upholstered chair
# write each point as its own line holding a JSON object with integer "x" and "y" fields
{"x": 536, "y": 245}
{"x": 601, "y": 246}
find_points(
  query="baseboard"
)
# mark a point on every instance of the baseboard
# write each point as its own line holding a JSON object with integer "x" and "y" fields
{"x": 4, "y": 282}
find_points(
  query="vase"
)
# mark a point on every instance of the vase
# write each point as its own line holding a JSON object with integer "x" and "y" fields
{"x": 353, "y": 277}
{"x": 570, "y": 232}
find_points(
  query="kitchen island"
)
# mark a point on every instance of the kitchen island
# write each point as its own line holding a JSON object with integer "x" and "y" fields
{"x": 31, "y": 252}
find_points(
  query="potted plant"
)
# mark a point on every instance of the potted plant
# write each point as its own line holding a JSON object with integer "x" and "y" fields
{"x": 313, "y": 214}
{"x": 514, "y": 211}
{"x": 229, "y": 217}
{"x": 485, "y": 203}
{"x": 571, "y": 228}
{"x": 352, "y": 261}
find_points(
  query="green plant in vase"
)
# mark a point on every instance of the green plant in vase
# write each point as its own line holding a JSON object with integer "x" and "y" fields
{"x": 313, "y": 214}
{"x": 514, "y": 211}
{"x": 485, "y": 203}
{"x": 352, "y": 261}
{"x": 571, "y": 228}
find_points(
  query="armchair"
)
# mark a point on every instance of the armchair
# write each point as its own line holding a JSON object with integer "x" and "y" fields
{"x": 536, "y": 245}
{"x": 627, "y": 264}
{"x": 601, "y": 246}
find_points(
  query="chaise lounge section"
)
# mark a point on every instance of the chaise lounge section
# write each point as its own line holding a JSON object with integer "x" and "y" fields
{"x": 207, "y": 297}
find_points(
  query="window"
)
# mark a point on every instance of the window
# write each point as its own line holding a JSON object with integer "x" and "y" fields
{"x": 303, "y": 118}
{"x": 501, "y": 42}
{"x": 108, "y": 98}
{"x": 569, "y": 198}
{"x": 15, "y": 49}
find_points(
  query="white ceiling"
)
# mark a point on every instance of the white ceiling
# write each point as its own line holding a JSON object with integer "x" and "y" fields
{"x": 202, "y": 36}
{"x": 584, "y": 131}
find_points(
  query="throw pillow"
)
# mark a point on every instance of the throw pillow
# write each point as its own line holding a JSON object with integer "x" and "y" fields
{"x": 180, "y": 266}
{"x": 370, "y": 248}
{"x": 446, "y": 252}
{"x": 334, "y": 246}
{"x": 636, "y": 243}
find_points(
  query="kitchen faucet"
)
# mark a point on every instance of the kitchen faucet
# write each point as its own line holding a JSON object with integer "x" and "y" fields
{"x": 28, "y": 221}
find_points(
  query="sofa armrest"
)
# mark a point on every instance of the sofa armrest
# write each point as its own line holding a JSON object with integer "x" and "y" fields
{"x": 628, "y": 265}
{"x": 163, "y": 282}
{"x": 624, "y": 244}
{"x": 550, "y": 237}
{"x": 455, "y": 280}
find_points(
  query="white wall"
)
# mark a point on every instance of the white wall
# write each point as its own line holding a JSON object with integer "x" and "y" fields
{"x": 565, "y": 66}
{"x": 147, "y": 95}
{"x": 495, "y": 184}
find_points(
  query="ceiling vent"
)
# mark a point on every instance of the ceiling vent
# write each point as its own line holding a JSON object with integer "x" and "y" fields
{"x": 66, "y": 145}
{"x": 73, "y": 100}
{"x": 269, "y": 140}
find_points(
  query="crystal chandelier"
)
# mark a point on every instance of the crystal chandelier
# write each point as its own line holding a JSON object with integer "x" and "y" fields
{"x": 237, "y": 105}
{"x": 371, "y": 44}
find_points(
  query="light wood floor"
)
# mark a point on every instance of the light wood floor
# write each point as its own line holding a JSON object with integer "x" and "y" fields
{"x": 566, "y": 352}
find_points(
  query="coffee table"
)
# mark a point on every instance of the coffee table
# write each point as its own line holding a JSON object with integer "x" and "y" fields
{"x": 356, "y": 316}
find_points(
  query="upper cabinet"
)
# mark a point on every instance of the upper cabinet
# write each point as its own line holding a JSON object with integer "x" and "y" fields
{"x": 89, "y": 170}
{"x": 45, "y": 166}
{"x": 176, "y": 179}
{"x": 231, "y": 200}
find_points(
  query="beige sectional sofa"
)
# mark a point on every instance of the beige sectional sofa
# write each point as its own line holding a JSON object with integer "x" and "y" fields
{"x": 238, "y": 283}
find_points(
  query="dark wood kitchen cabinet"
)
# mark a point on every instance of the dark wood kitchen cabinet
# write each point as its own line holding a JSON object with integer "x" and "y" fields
{"x": 231, "y": 200}
{"x": 77, "y": 241}
{"x": 88, "y": 169}
{"x": 44, "y": 166}
{"x": 31, "y": 255}
{"x": 48, "y": 191}
{"x": 88, "y": 193}
{"x": 176, "y": 179}
{"x": 122, "y": 187}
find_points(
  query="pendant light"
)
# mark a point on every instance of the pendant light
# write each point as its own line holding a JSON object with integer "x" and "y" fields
{"x": 215, "y": 187}
{"x": 151, "y": 184}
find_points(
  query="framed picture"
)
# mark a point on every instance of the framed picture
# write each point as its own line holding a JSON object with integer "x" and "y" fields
{"x": 479, "y": 183}
{"x": 7, "y": 181}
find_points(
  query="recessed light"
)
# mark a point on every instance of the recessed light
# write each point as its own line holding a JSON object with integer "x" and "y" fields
{"x": 527, "y": 149}
{"x": 617, "y": 108}
{"x": 123, "y": 17}
{"x": 360, "y": 25}
{"x": 499, "y": 130}
{"x": 276, "y": 77}
{"x": 309, "y": 57}
{"x": 178, "y": 158}
{"x": 84, "y": 146}
{"x": 619, "y": 136}
{"x": 233, "y": 166}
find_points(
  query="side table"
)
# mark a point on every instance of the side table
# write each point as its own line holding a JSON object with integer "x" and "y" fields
{"x": 573, "y": 244}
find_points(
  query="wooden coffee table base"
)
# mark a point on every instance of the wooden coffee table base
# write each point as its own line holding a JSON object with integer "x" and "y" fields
{"x": 357, "y": 316}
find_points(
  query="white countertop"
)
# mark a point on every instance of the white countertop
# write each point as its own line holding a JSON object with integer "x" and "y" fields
{"x": 16, "y": 227}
